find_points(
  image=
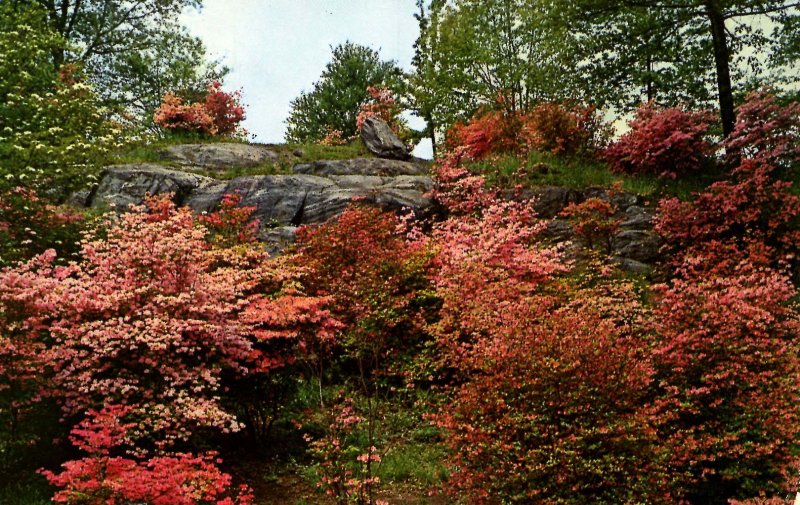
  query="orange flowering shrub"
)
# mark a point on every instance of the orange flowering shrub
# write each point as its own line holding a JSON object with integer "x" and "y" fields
{"x": 218, "y": 114}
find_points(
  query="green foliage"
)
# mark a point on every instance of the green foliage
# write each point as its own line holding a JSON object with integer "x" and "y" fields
{"x": 54, "y": 134}
{"x": 474, "y": 52}
{"x": 337, "y": 98}
{"x": 133, "y": 51}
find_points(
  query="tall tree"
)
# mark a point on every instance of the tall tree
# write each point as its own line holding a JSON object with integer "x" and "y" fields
{"x": 131, "y": 50}
{"x": 710, "y": 48}
{"x": 475, "y": 52}
{"x": 336, "y": 98}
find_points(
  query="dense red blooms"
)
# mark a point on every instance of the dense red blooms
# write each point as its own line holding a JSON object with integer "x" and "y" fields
{"x": 727, "y": 366}
{"x": 180, "y": 479}
{"x": 372, "y": 272}
{"x": 667, "y": 142}
{"x": 754, "y": 210}
{"x": 548, "y": 127}
{"x": 549, "y": 402}
{"x": 218, "y": 114}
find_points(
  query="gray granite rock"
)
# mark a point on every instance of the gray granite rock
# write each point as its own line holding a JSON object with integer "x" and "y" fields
{"x": 361, "y": 166}
{"x": 124, "y": 185}
{"x": 382, "y": 141}
{"x": 639, "y": 245}
{"x": 218, "y": 156}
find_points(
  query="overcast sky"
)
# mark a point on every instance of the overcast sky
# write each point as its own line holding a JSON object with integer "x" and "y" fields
{"x": 278, "y": 48}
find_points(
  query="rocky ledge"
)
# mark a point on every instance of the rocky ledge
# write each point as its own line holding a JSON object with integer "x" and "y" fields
{"x": 313, "y": 194}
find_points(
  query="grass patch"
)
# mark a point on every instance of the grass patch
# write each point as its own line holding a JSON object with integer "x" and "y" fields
{"x": 418, "y": 463}
{"x": 545, "y": 169}
{"x": 30, "y": 491}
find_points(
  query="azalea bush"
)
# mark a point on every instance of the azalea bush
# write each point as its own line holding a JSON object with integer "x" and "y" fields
{"x": 557, "y": 128}
{"x": 665, "y": 142}
{"x": 219, "y": 113}
{"x": 564, "y": 129}
{"x": 727, "y": 368}
{"x": 103, "y": 477}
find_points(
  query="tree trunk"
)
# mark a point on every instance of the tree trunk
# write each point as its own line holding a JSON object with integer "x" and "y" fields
{"x": 722, "y": 60}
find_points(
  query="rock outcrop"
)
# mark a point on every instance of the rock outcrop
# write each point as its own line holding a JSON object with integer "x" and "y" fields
{"x": 382, "y": 141}
{"x": 315, "y": 193}
{"x": 218, "y": 156}
{"x": 635, "y": 247}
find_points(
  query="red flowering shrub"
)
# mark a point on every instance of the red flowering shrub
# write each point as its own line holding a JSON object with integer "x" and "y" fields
{"x": 667, "y": 142}
{"x": 231, "y": 224}
{"x": 593, "y": 221}
{"x": 487, "y": 133}
{"x": 549, "y": 400}
{"x": 754, "y": 206}
{"x": 224, "y": 108}
{"x": 564, "y": 129}
{"x": 101, "y": 478}
{"x": 767, "y": 131}
{"x": 218, "y": 114}
{"x": 727, "y": 370}
{"x": 372, "y": 272}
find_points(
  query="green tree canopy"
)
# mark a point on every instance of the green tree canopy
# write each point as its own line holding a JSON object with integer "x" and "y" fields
{"x": 54, "y": 132}
{"x": 334, "y": 101}
{"x": 132, "y": 51}
{"x": 469, "y": 53}
{"x": 697, "y": 51}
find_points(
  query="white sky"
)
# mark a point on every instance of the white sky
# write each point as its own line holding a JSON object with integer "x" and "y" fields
{"x": 278, "y": 48}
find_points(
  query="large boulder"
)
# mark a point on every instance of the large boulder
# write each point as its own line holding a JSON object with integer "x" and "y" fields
{"x": 218, "y": 156}
{"x": 362, "y": 166}
{"x": 382, "y": 141}
{"x": 124, "y": 185}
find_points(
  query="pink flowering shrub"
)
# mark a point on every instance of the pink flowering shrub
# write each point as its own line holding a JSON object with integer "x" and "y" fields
{"x": 667, "y": 143}
{"x": 726, "y": 361}
{"x": 188, "y": 312}
{"x": 218, "y": 114}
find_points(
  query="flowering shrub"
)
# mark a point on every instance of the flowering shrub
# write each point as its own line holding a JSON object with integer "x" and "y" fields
{"x": 487, "y": 133}
{"x": 548, "y": 127}
{"x": 224, "y": 108}
{"x": 186, "y": 312}
{"x": 564, "y": 129}
{"x": 218, "y": 114}
{"x": 754, "y": 206}
{"x": 334, "y": 138}
{"x": 383, "y": 106}
{"x": 727, "y": 368}
{"x": 593, "y": 221}
{"x": 373, "y": 274}
{"x": 30, "y": 225}
{"x": 101, "y": 478}
{"x": 668, "y": 142}
{"x": 538, "y": 413}
{"x": 344, "y": 472}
